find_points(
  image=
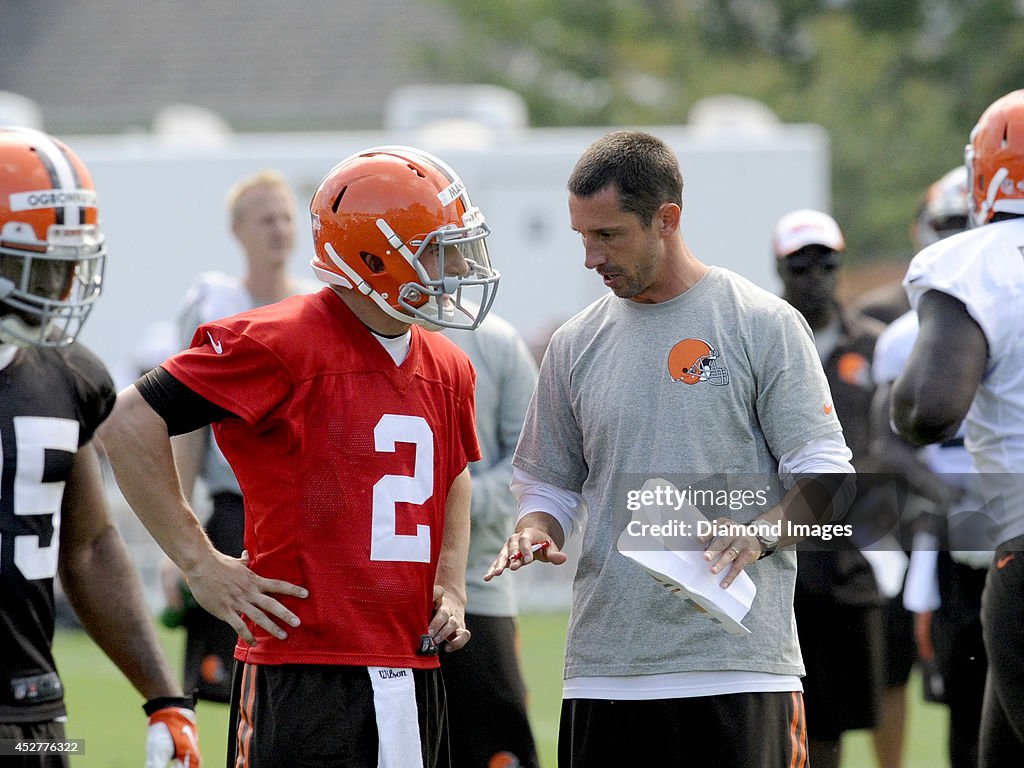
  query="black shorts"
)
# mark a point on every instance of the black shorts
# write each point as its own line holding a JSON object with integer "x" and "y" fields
{"x": 487, "y": 697}
{"x": 842, "y": 646}
{"x": 51, "y": 730}
{"x": 754, "y": 730}
{"x": 210, "y": 642}
{"x": 313, "y": 714}
{"x": 1002, "y": 621}
{"x": 956, "y": 624}
{"x": 900, "y": 650}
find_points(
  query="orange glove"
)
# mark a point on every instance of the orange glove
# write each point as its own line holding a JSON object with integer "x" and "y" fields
{"x": 173, "y": 734}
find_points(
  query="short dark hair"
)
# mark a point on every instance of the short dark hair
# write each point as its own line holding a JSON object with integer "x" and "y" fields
{"x": 642, "y": 167}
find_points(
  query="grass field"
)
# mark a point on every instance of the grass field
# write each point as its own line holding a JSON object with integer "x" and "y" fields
{"x": 106, "y": 712}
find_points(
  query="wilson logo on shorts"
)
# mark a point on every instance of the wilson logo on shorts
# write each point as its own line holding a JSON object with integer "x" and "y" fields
{"x": 692, "y": 361}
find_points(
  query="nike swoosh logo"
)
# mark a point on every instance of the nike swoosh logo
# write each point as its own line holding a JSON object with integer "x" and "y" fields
{"x": 217, "y": 346}
{"x": 1002, "y": 561}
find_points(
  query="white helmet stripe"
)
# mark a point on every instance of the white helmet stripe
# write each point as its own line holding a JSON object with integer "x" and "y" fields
{"x": 62, "y": 174}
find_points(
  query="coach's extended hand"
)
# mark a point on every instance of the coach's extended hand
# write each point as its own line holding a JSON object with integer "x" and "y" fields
{"x": 538, "y": 536}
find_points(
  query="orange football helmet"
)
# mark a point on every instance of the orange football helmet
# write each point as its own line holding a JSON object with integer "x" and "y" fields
{"x": 995, "y": 160}
{"x": 694, "y": 360}
{"x": 397, "y": 225}
{"x": 52, "y": 251}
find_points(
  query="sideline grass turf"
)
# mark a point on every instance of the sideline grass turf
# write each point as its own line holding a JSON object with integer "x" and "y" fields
{"x": 106, "y": 712}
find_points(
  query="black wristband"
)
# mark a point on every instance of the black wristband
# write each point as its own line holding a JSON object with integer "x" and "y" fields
{"x": 162, "y": 702}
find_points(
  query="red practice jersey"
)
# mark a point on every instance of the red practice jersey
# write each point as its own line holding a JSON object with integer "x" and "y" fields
{"x": 345, "y": 461}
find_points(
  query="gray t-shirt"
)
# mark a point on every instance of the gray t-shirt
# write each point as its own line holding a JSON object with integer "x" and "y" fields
{"x": 714, "y": 385}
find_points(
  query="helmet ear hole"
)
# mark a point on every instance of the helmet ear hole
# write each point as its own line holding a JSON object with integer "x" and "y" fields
{"x": 373, "y": 262}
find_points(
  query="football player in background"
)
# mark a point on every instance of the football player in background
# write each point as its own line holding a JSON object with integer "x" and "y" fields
{"x": 946, "y": 574}
{"x": 54, "y": 518}
{"x": 837, "y": 600}
{"x": 483, "y": 682}
{"x": 350, "y": 429}
{"x": 967, "y": 365}
{"x": 940, "y": 214}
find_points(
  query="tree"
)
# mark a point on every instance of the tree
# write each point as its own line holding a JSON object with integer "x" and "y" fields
{"x": 898, "y": 84}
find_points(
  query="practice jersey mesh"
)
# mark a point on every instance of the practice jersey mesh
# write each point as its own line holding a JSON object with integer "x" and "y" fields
{"x": 344, "y": 460}
{"x": 51, "y": 402}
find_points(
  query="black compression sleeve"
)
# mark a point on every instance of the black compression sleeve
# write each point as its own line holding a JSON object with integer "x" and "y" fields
{"x": 180, "y": 407}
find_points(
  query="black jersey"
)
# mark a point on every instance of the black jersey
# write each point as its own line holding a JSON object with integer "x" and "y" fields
{"x": 51, "y": 402}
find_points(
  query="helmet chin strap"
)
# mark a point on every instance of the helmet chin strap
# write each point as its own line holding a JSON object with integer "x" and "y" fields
{"x": 354, "y": 280}
{"x": 356, "y": 283}
{"x": 391, "y": 311}
{"x": 993, "y": 190}
{"x": 446, "y": 311}
{"x": 15, "y": 331}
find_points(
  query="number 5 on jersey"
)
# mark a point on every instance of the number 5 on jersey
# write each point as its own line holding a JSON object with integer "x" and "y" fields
{"x": 33, "y": 436}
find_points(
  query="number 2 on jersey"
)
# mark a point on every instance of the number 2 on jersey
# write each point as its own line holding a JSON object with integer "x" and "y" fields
{"x": 385, "y": 542}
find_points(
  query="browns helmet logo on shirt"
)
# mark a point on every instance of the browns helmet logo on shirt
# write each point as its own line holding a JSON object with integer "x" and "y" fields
{"x": 692, "y": 361}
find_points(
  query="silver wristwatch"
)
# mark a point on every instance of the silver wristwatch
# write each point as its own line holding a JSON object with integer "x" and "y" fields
{"x": 767, "y": 535}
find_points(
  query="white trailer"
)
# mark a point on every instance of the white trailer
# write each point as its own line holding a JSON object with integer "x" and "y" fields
{"x": 162, "y": 208}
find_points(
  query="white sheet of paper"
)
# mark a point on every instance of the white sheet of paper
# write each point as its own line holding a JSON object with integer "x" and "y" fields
{"x": 684, "y": 570}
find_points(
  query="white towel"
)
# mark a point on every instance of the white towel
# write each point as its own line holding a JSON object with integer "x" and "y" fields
{"x": 398, "y": 724}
